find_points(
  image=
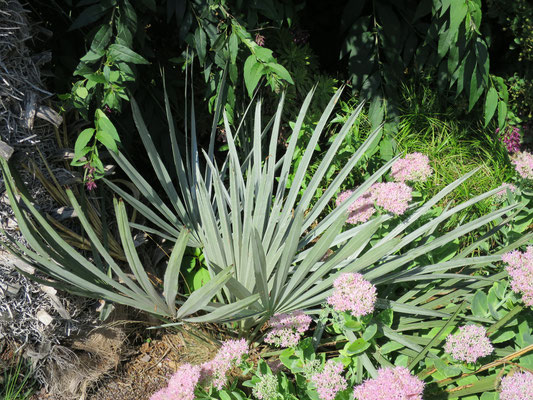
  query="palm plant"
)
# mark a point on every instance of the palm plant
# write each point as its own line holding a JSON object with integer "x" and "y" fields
{"x": 273, "y": 237}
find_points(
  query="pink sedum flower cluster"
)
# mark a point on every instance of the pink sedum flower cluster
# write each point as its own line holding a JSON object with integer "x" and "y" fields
{"x": 361, "y": 209}
{"x": 353, "y": 293}
{"x": 393, "y": 197}
{"x": 391, "y": 384}
{"x": 330, "y": 381}
{"x": 518, "y": 386}
{"x": 414, "y": 167}
{"x": 229, "y": 355}
{"x": 523, "y": 163}
{"x": 182, "y": 384}
{"x": 520, "y": 269}
{"x": 469, "y": 344}
{"x": 287, "y": 329}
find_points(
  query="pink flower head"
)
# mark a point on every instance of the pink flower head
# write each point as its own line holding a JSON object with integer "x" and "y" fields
{"x": 230, "y": 354}
{"x": 287, "y": 328}
{"x": 502, "y": 194}
{"x": 353, "y": 293}
{"x": 391, "y": 384}
{"x": 259, "y": 39}
{"x": 393, "y": 197}
{"x": 330, "y": 381}
{"x": 511, "y": 139}
{"x": 469, "y": 344}
{"x": 520, "y": 269}
{"x": 361, "y": 209}
{"x": 90, "y": 185}
{"x": 518, "y": 386}
{"x": 523, "y": 163}
{"x": 414, "y": 167}
{"x": 181, "y": 385}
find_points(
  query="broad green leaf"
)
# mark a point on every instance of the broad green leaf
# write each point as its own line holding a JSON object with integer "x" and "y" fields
{"x": 200, "y": 42}
{"x": 253, "y": 70}
{"x": 83, "y": 139}
{"x": 92, "y": 14}
{"x": 458, "y": 10}
{"x": 370, "y": 332}
{"x": 82, "y": 92}
{"x": 264, "y": 54}
{"x": 280, "y": 70}
{"x": 102, "y": 37}
{"x": 107, "y": 140}
{"x": 503, "y": 337}
{"x": 119, "y": 52}
{"x": 357, "y": 346}
{"x": 502, "y": 114}
{"x": 233, "y": 45}
{"x": 104, "y": 124}
{"x": 480, "y": 306}
{"x": 447, "y": 370}
{"x": 491, "y": 102}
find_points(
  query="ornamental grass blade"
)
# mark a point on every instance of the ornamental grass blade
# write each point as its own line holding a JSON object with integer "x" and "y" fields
{"x": 172, "y": 273}
{"x": 132, "y": 256}
{"x": 287, "y": 256}
{"x": 230, "y": 312}
{"x": 329, "y": 156}
{"x": 303, "y": 165}
{"x": 181, "y": 173}
{"x": 202, "y": 296}
{"x": 260, "y": 269}
{"x": 148, "y": 192}
{"x": 398, "y": 261}
{"x": 436, "y": 340}
{"x": 157, "y": 163}
{"x": 289, "y": 152}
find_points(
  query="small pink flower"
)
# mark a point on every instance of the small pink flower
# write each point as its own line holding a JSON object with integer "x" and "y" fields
{"x": 511, "y": 139}
{"x": 353, "y": 293}
{"x": 469, "y": 344}
{"x": 518, "y": 386}
{"x": 414, "y": 167}
{"x": 523, "y": 162}
{"x": 393, "y": 197}
{"x": 391, "y": 384}
{"x": 259, "y": 39}
{"x": 330, "y": 381}
{"x": 520, "y": 269}
{"x": 90, "y": 185}
{"x": 181, "y": 385}
{"x": 287, "y": 329}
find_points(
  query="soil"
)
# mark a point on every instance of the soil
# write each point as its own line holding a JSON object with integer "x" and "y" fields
{"x": 147, "y": 369}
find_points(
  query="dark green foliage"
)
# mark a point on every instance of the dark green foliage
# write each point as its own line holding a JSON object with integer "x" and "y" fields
{"x": 385, "y": 41}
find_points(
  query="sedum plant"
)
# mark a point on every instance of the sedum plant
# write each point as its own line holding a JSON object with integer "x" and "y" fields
{"x": 274, "y": 237}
